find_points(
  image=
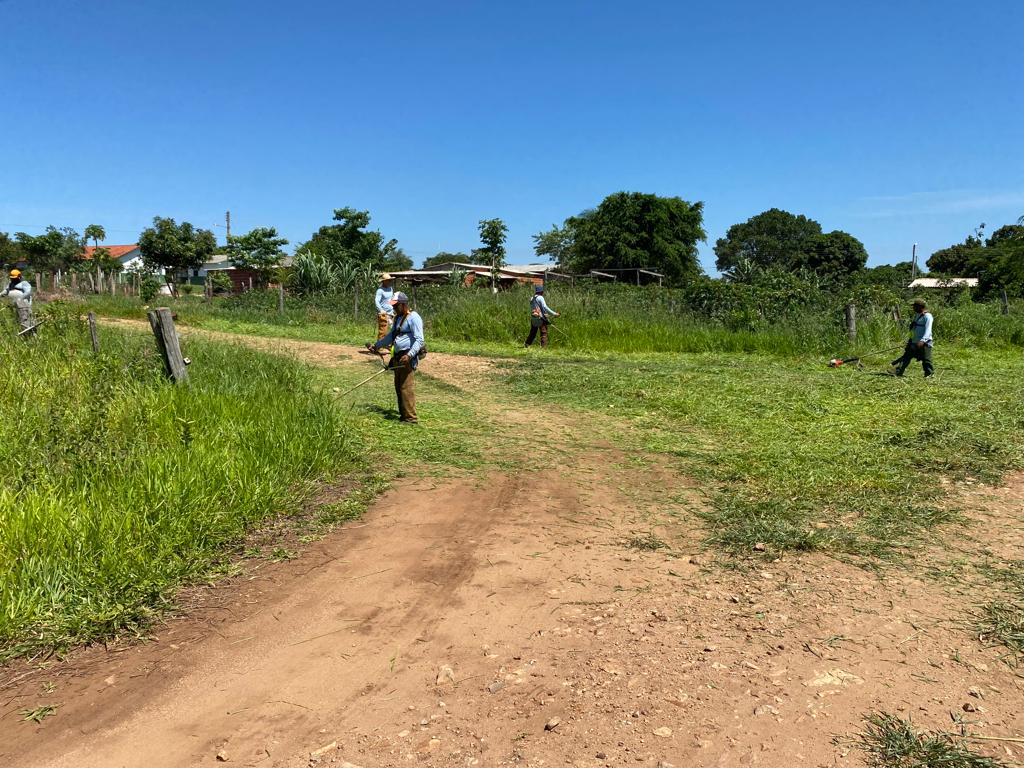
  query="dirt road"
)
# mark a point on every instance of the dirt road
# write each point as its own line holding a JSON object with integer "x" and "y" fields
{"x": 506, "y": 620}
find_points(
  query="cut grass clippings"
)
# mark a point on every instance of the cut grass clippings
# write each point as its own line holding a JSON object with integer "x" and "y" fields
{"x": 1001, "y": 622}
{"x": 800, "y": 456}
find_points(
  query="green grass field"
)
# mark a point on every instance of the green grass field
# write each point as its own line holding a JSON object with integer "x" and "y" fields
{"x": 788, "y": 452}
{"x": 800, "y": 456}
{"x": 795, "y": 455}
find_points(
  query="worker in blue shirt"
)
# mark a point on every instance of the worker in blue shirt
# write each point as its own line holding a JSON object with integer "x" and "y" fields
{"x": 919, "y": 347}
{"x": 384, "y": 300}
{"x": 407, "y": 347}
{"x": 539, "y": 314}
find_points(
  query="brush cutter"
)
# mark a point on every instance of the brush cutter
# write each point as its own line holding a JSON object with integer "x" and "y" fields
{"x": 384, "y": 369}
{"x": 32, "y": 327}
{"x": 835, "y": 362}
{"x": 552, "y": 325}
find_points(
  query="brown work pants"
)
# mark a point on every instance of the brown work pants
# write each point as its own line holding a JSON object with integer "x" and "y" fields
{"x": 543, "y": 328}
{"x": 405, "y": 390}
{"x": 384, "y": 321}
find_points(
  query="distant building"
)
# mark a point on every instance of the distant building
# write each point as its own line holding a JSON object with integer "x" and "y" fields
{"x": 944, "y": 282}
{"x": 506, "y": 277}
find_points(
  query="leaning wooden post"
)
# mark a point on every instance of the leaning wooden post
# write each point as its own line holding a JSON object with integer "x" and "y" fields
{"x": 167, "y": 343}
{"x": 1006, "y": 303}
{"x": 851, "y": 322}
{"x": 92, "y": 333}
{"x": 280, "y": 298}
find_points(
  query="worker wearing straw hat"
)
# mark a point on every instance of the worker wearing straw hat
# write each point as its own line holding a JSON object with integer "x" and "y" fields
{"x": 919, "y": 347}
{"x": 384, "y": 300}
{"x": 408, "y": 346}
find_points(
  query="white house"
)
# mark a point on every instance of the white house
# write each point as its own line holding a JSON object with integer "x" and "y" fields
{"x": 944, "y": 282}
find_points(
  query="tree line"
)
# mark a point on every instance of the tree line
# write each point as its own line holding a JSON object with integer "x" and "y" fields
{"x": 627, "y": 230}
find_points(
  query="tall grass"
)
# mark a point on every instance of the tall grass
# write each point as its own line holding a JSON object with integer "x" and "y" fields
{"x": 599, "y": 319}
{"x": 118, "y": 485}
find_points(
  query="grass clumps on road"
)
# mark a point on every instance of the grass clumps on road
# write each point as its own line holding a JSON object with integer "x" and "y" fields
{"x": 1000, "y": 621}
{"x": 799, "y": 456}
{"x": 891, "y": 742}
{"x": 119, "y": 486}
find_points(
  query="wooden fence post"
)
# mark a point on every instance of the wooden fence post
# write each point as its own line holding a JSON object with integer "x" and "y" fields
{"x": 851, "y": 322}
{"x": 280, "y": 298}
{"x": 167, "y": 343}
{"x": 93, "y": 336}
{"x": 1006, "y": 302}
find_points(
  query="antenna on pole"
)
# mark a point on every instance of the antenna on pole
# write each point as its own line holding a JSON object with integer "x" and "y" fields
{"x": 227, "y": 223}
{"x": 913, "y": 263}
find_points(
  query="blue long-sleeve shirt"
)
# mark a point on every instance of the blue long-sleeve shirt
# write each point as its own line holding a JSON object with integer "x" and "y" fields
{"x": 382, "y": 298}
{"x": 537, "y": 303}
{"x": 921, "y": 328}
{"x": 406, "y": 335}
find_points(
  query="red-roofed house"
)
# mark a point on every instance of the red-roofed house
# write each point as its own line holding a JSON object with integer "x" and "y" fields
{"x": 129, "y": 256}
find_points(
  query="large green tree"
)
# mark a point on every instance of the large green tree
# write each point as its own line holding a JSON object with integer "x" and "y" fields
{"x": 835, "y": 253}
{"x": 775, "y": 238}
{"x": 957, "y": 259}
{"x": 630, "y": 230}
{"x": 259, "y": 250}
{"x": 54, "y": 250}
{"x": 443, "y": 257}
{"x": 997, "y": 262}
{"x": 349, "y": 242}
{"x": 1011, "y": 233}
{"x": 555, "y": 243}
{"x": 173, "y": 248}
{"x": 1000, "y": 264}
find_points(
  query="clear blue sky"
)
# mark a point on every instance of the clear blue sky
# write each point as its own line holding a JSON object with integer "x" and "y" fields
{"x": 896, "y": 121}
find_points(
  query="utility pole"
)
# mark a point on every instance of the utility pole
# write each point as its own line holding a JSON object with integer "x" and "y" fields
{"x": 227, "y": 224}
{"x": 913, "y": 263}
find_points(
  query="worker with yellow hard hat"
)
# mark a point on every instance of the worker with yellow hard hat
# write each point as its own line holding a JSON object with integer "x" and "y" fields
{"x": 19, "y": 288}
